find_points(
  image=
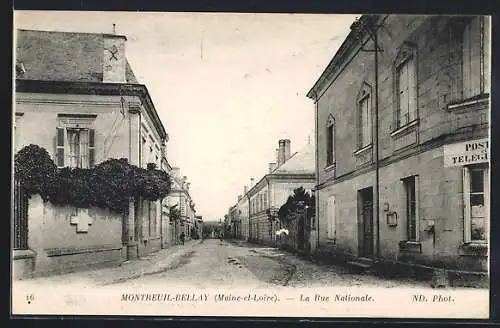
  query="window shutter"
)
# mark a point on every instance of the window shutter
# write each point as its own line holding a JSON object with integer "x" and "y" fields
{"x": 466, "y": 62}
{"x": 466, "y": 205}
{"x": 486, "y": 55}
{"x": 412, "y": 89}
{"x": 403, "y": 95}
{"x": 60, "y": 147}
{"x": 331, "y": 217}
{"x": 91, "y": 147}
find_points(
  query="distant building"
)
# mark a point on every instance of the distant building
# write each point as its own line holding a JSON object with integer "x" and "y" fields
{"x": 423, "y": 160}
{"x": 269, "y": 193}
{"x": 180, "y": 198}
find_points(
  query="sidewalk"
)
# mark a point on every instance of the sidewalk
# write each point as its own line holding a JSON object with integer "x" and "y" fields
{"x": 151, "y": 264}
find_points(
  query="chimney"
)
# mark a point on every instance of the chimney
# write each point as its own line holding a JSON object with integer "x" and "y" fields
{"x": 114, "y": 62}
{"x": 245, "y": 190}
{"x": 272, "y": 167}
{"x": 251, "y": 182}
{"x": 188, "y": 185}
{"x": 287, "y": 149}
{"x": 176, "y": 172}
{"x": 277, "y": 156}
{"x": 281, "y": 152}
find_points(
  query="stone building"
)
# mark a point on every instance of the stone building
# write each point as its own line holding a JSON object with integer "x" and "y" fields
{"x": 181, "y": 199}
{"x": 243, "y": 215}
{"x": 402, "y": 119}
{"x": 76, "y": 96}
{"x": 267, "y": 195}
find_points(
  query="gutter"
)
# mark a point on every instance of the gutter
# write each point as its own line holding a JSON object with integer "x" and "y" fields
{"x": 316, "y": 192}
{"x": 94, "y": 88}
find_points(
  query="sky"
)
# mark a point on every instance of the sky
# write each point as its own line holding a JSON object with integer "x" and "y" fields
{"x": 227, "y": 86}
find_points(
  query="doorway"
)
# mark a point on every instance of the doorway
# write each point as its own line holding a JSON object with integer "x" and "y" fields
{"x": 365, "y": 222}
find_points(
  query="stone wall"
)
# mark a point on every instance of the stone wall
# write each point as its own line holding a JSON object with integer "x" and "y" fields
{"x": 61, "y": 242}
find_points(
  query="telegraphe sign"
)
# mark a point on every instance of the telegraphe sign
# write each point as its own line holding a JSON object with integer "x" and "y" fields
{"x": 468, "y": 152}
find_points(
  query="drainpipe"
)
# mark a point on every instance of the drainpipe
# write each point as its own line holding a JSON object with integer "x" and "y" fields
{"x": 377, "y": 166}
{"x": 316, "y": 193}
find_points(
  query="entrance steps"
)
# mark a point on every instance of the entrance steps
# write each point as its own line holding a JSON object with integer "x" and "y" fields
{"x": 361, "y": 264}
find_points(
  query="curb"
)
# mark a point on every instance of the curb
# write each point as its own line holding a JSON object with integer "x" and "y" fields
{"x": 168, "y": 262}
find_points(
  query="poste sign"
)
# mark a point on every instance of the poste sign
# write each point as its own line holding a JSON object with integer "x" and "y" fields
{"x": 466, "y": 153}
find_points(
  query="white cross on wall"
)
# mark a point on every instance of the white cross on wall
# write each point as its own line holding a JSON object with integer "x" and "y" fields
{"x": 82, "y": 220}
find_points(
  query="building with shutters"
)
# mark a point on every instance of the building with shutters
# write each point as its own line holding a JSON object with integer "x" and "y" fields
{"x": 180, "y": 198}
{"x": 402, "y": 128}
{"x": 76, "y": 96}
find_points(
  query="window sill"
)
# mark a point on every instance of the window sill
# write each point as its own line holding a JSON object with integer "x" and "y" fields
{"x": 404, "y": 129}
{"x": 408, "y": 246}
{"x": 20, "y": 254}
{"x": 363, "y": 149}
{"x": 330, "y": 167}
{"x": 469, "y": 103}
{"x": 474, "y": 249}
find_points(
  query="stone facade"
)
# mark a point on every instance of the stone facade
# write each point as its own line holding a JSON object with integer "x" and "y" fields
{"x": 421, "y": 200}
{"x": 255, "y": 212}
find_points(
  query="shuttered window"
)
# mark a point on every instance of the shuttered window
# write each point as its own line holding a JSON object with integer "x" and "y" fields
{"x": 406, "y": 92}
{"x": 475, "y": 58}
{"x": 331, "y": 212}
{"x": 365, "y": 137}
{"x": 75, "y": 147}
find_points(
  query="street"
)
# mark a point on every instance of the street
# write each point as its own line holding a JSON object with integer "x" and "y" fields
{"x": 214, "y": 263}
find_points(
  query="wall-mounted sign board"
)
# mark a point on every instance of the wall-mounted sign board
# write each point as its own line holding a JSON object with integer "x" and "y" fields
{"x": 467, "y": 152}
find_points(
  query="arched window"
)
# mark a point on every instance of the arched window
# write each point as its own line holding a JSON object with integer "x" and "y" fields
{"x": 330, "y": 141}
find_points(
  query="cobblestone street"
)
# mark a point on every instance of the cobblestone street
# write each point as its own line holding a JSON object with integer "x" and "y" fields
{"x": 214, "y": 263}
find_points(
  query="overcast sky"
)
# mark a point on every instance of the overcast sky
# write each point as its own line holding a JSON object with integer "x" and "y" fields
{"x": 226, "y": 86}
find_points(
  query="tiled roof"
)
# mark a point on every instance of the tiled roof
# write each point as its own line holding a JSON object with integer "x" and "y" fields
{"x": 62, "y": 56}
{"x": 302, "y": 162}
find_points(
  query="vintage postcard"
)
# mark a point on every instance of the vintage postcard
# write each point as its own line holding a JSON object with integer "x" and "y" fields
{"x": 262, "y": 165}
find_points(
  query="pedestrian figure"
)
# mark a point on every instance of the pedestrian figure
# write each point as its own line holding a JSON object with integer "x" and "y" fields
{"x": 182, "y": 238}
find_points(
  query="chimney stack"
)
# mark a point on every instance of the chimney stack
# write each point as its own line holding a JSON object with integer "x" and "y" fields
{"x": 188, "y": 185}
{"x": 287, "y": 149}
{"x": 176, "y": 172}
{"x": 277, "y": 156}
{"x": 281, "y": 152}
{"x": 245, "y": 190}
{"x": 114, "y": 63}
{"x": 272, "y": 167}
{"x": 251, "y": 182}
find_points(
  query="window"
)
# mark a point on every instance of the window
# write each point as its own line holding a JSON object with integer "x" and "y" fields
{"x": 331, "y": 217}
{"x": 265, "y": 199}
{"x": 410, "y": 186}
{"x": 365, "y": 122}
{"x": 330, "y": 141}
{"x": 475, "y": 57}
{"x": 476, "y": 200}
{"x": 75, "y": 147}
{"x": 406, "y": 90}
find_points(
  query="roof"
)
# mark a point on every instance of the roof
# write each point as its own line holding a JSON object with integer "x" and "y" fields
{"x": 301, "y": 162}
{"x": 63, "y": 56}
{"x": 342, "y": 52}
